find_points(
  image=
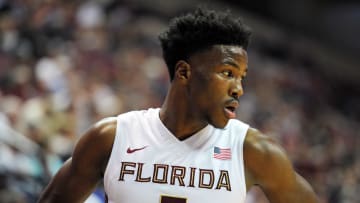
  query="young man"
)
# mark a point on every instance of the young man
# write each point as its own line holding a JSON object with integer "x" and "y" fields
{"x": 192, "y": 149}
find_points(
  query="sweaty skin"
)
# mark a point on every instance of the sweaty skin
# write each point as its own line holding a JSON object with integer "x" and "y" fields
{"x": 210, "y": 84}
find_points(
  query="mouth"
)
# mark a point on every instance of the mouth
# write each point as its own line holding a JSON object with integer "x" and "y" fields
{"x": 230, "y": 109}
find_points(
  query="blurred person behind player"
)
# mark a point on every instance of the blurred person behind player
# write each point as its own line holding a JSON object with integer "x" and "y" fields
{"x": 192, "y": 149}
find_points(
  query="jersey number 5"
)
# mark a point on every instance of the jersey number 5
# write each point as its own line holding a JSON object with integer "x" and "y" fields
{"x": 171, "y": 199}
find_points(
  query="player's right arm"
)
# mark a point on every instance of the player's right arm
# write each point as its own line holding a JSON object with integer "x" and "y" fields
{"x": 78, "y": 177}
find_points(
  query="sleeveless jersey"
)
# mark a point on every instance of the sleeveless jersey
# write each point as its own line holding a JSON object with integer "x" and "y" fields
{"x": 149, "y": 164}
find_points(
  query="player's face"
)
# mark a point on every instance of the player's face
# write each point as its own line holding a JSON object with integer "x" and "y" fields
{"x": 216, "y": 83}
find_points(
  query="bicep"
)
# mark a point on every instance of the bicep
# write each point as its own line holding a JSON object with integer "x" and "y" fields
{"x": 287, "y": 186}
{"x": 69, "y": 185}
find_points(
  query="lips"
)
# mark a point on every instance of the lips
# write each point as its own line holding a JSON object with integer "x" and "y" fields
{"x": 230, "y": 109}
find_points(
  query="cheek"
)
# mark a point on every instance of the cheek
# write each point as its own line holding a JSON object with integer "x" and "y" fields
{"x": 217, "y": 87}
{"x": 215, "y": 92}
{"x": 203, "y": 95}
{"x": 207, "y": 91}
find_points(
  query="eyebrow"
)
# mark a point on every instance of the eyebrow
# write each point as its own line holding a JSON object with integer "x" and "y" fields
{"x": 232, "y": 63}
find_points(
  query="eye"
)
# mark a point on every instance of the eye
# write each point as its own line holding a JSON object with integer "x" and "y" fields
{"x": 228, "y": 73}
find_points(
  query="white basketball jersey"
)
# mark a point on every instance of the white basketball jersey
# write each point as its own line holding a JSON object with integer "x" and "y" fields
{"x": 149, "y": 164}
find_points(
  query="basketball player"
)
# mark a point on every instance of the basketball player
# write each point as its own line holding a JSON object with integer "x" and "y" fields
{"x": 192, "y": 149}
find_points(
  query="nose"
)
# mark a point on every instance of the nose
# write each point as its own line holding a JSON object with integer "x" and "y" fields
{"x": 236, "y": 91}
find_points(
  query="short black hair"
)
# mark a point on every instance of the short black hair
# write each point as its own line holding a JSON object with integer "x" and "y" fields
{"x": 199, "y": 30}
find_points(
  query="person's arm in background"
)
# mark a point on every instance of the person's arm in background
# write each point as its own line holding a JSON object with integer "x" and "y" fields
{"x": 78, "y": 177}
{"x": 268, "y": 166}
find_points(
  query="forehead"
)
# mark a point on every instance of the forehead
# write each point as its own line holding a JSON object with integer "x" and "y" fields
{"x": 219, "y": 54}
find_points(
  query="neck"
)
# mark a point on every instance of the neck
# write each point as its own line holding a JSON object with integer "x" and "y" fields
{"x": 177, "y": 115}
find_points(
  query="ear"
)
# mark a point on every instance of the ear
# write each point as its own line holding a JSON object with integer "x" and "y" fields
{"x": 182, "y": 70}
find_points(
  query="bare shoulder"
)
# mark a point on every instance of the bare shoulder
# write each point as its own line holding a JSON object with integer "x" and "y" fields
{"x": 261, "y": 147}
{"x": 268, "y": 166}
{"x": 257, "y": 141}
{"x": 260, "y": 152}
{"x": 104, "y": 129}
{"x": 101, "y": 134}
{"x": 96, "y": 144}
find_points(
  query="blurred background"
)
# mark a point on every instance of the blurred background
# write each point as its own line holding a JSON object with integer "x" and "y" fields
{"x": 66, "y": 64}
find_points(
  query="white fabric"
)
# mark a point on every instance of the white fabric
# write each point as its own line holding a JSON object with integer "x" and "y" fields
{"x": 133, "y": 178}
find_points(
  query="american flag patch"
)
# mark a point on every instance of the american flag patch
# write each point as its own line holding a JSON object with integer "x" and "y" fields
{"x": 222, "y": 153}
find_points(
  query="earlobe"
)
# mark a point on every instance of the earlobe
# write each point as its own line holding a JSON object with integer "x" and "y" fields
{"x": 182, "y": 70}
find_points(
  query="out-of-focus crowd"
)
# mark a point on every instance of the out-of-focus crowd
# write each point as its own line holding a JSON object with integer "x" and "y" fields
{"x": 66, "y": 64}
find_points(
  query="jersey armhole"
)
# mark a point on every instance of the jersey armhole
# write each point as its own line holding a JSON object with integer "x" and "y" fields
{"x": 115, "y": 146}
{"x": 242, "y": 158}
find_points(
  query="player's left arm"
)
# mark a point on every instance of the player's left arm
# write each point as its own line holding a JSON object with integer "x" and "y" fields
{"x": 268, "y": 166}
